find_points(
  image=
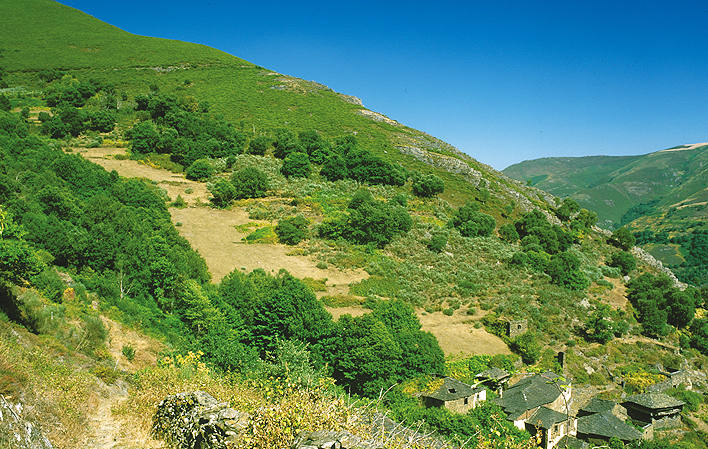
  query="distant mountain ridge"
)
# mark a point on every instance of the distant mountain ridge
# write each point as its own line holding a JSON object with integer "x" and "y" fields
{"x": 662, "y": 195}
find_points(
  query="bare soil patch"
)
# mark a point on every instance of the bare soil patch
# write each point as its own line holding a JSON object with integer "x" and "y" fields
{"x": 213, "y": 232}
{"x": 147, "y": 349}
{"x": 456, "y": 334}
{"x": 617, "y": 297}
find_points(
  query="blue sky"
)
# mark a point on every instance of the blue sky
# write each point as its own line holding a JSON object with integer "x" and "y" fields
{"x": 502, "y": 81}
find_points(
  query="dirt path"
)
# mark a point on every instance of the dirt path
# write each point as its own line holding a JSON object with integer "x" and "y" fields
{"x": 213, "y": 232}
{"x": 105, "y": 428}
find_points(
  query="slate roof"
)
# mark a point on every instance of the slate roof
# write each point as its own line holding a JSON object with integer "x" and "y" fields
{"x": 544, "y": 417}
{"x": 571, "y": 442}
{"x": 493, "y": 374}
{"x": 654, "y": 401}
{"x": 607, "y": 425}
{"x": 597, "y": 405}
{"x": 452, "y": 389}
{"x": 529, "y": 393}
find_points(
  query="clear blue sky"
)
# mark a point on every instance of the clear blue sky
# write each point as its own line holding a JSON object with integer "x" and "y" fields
{"x": 502, "y": 81}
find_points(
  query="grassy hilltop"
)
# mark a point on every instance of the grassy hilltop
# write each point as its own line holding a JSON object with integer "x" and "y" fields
{"x": 660, "y": 196}
{"x": 175, "y": 218}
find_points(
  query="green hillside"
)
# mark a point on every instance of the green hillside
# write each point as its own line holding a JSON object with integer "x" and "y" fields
{"x": 174, "y": 218}
{"x": 661, "y": 196}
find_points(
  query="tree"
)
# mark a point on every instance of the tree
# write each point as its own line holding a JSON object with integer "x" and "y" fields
{"x": 376, "y": 222}
{"x": 568, "y": 209}
{"x": 259, "y": 145}
{"x": 250, "y": 182}
{"x": 200, "y": 170}
{"x": 507, "y": 232}
{"x": 296, "y": 165}
{"x": 438, "y": 241}
{"x": 623, "y": 239}
{"x": 564, "y": 270}
{"x": 292, "y": 231}
{"x": 223, "y": 192}
{"x": 286, "y": 142}
{"x": 681, "y": 307}
{"x": 427, "y": 186}
{"x": 471, "y": 223}
{"x": 334, "y": 168}
{"x": 699, "y": 337}
{"x": 101, "y": 121}
{"x": 4, "y": 103}
{"x": 598, "y": 326}
{"x": 527, "y": 346}
{"x": 143, "y": 137}
{"x": 624, "y": 261}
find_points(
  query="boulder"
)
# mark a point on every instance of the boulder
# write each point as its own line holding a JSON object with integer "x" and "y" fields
{"x": 328, "y": 439}
{"x": 197, "y": 421}
{"x": 16, "y": 432}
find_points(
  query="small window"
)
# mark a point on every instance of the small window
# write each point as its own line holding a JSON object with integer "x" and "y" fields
{"x": 451, "y": 390}
{"x": 518, "y": 326}
{"x": 467, "y": 401}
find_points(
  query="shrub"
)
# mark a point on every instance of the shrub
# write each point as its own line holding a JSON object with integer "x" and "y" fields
{"x": 508, "y": 233}
{"x": 623, "y": 239}
{"x": 449, "y": 311}
{"x": 527, "y": 346}
{"x": 200, "y": 170}
{"x": 334, "y": 168}
{"x": 128, "y": 352}
{"x": 259, "y": 145}
{"x": 471, "y": 223}
{"x": 250, "y": 182}
{"x": 4, "y": 103}
{"x": 438, "y": 241}
{"x": 223, "y": 192}
{"x": 296, "y": 165}
{"x": 624, "y": 261}
{"x": 427, "y": 186}
{"x": 564, "y": 270}
{"x": 292, "y": 231}
{"x": 143, "y": 137}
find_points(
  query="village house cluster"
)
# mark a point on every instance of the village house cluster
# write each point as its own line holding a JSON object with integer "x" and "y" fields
{"x": 542, "y": 404}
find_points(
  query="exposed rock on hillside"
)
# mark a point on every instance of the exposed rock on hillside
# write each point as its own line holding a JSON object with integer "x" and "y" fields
{"x": 326, "y": 439}
{"x": 197, "y": 421}
{"x": 16, "y": 432}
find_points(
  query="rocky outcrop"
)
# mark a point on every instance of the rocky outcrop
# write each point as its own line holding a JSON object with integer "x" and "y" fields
{"x": 197, "y": 421}
{"x": 17, "y": 432}
{"x": 447, "y": 163}
{"x": 327, "y": 439}
{"x": 647, "y": 258}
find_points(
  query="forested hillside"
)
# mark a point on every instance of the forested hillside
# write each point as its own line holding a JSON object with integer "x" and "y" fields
{"x": 660, "y": 196}
{"x": 117, "y": 167}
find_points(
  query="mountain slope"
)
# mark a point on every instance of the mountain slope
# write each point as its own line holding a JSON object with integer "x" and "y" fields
{"x": 256, "y": 99}
{"x": 663, "y": 193}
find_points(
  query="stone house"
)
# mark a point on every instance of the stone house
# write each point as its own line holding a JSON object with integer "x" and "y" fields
{"x": 657, "y": 409}
{"x": 541, "y": 403}
{"x": 494, "y": 378}
{"x": 455, "y": 396}
{"x": 602, "y": 426}
{"x": 551, "y": 426}
{"x": 598, "y": 405}
{"x": 514, "y": 328}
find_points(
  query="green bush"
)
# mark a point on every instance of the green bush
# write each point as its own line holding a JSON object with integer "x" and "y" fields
{"x": 250, "y": 182}
{"x": 292, "y": 231}
{"x": 622, "y": 238}
{"x": 507, "y": 232}
{"x": 200, "y": 170}
{"x": 564, "y": 270}
{"x": 624, "y": 261}
{"x": 128, "y": 352}
{"x": 527, "y": 346}
{"x": 427, "y": 186}
{"x": 438, "y": 241}
{"x": 223, "y": 192}
{"x": 259, "y": 145}
{"x": 334, "y": 168}
{"x": 296, "y": 165}
{"x": 471, "y": 223}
